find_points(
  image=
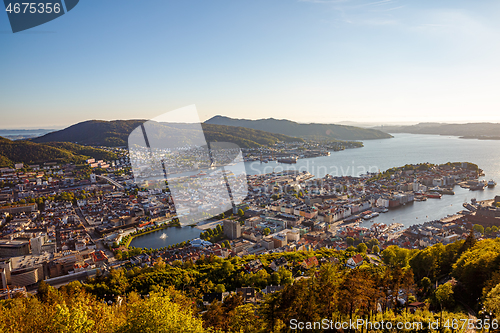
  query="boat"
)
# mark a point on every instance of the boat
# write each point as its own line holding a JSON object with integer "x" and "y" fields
{"x": 384, "y": 210}
{"x": 491, "y": 183}
{"x": 367, "y": 216}
{"x": 288, "y": 160}
{"x": 375, "y": 214}
{"x": 478, "y": 186}
{"x": 433, "y": 195}
{"x": 163, "y": 236}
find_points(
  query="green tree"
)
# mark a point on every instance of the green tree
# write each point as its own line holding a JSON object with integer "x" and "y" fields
{"x": 349, "y": 241}
{"x": 375, "y": 249}
{"x": 266, "y": 231}
{"x": 479, "y": 228}
{"x": 361, "y": 248}
{"x": 241, "y": 213}
{"x": 443, "y": 295}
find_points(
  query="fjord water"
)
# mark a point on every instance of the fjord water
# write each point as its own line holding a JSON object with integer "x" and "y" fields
{"x": 405, "y": 149}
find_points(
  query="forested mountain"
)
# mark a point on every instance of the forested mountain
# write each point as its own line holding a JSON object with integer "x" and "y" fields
{"x": 115, "y": 133}
{"x": 305, "y": 131}
{"x": 94, "y": 132}
{"x": 471, "y": 130}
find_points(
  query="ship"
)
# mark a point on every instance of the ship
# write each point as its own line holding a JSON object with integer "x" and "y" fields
{"x": 288, "y": 160}
{"x": 478, "y": 186}
{"x": 492, "y": 183}
{"x": 163, "y": 236}
{"x": 434, "y": 195}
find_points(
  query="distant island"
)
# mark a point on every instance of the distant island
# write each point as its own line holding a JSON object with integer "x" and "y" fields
{"x": 310, "y": 131}
{"x": 481, "y": 131}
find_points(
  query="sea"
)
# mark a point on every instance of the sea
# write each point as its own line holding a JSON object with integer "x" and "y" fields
{"x": 380, "y": 155}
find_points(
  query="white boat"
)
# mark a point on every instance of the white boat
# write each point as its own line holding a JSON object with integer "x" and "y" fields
{"x": 375, "y": 214}
{"x": 367, "y": 216}
{"x": 384, "y": 210}
{"x": 163, "y": 236}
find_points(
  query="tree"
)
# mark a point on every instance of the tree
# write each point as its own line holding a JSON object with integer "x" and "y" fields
{"x": 479, "y": 228}
{"x": 159, "y": 314}
{"x": 426, "y": 285}
{"x": 492, "y": 302}
{"x": 375, "y": 249}
{"x": 444, "y": 295}
{"x": 266, "y": 231}
{"x": 361, "y": 248}
{"x": 241, "y": 213}
{"x": 349, "y": 241}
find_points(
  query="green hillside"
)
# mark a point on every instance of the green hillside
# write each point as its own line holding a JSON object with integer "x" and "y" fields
{"x": 115, "y": 133}
{"x": 306, "y": 131}
{"x": 27, "y": 152}
{"x": 96, "y": 153}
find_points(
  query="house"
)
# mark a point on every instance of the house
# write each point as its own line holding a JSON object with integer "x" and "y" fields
{"x": 355, "y": 261}
{"x": 208, "y": 298}
{"x": 278, "y": 263}
{"x": 271, "y": 289}
{"x": 248, "y": 294}
{"x": 253, "y": 266}
{"x": 310, "y": 263}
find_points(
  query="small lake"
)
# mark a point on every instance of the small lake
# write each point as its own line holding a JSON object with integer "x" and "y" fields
{"x": 174, "y": 235}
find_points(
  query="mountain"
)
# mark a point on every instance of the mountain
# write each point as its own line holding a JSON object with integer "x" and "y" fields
{"x": 115, "y": 133}
{"x": 244, "y": 137}
{"x": 305, "y": 131}
{"x": 94, "y": 132}
{"x": 471, "y": 130}
{"x": 27, "y": 152}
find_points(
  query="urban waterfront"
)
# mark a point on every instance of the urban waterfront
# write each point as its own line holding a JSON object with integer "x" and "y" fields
{"x": 405, "y": 149}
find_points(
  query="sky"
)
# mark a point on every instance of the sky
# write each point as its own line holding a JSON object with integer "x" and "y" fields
{"x": 323, "y": 61}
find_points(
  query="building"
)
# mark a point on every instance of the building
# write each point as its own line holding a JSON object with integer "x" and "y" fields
{"x": 29, "y": 208}
{"x": 355, "y": 261}
{"x": 14, "y": 248}
{"x": 26, "y": 276}
{"x": 36, "y": 244}
{"x": 278, "y": 263}
{"x": 232, "y": 229}
{"x": 5, "y": 269}
{"x": 279, "y": 240}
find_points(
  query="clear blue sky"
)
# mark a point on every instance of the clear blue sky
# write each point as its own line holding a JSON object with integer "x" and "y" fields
{"x": 309, "y": 61}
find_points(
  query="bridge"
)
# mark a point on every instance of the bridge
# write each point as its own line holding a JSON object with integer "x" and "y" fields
{"x": 111, "y": 181}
